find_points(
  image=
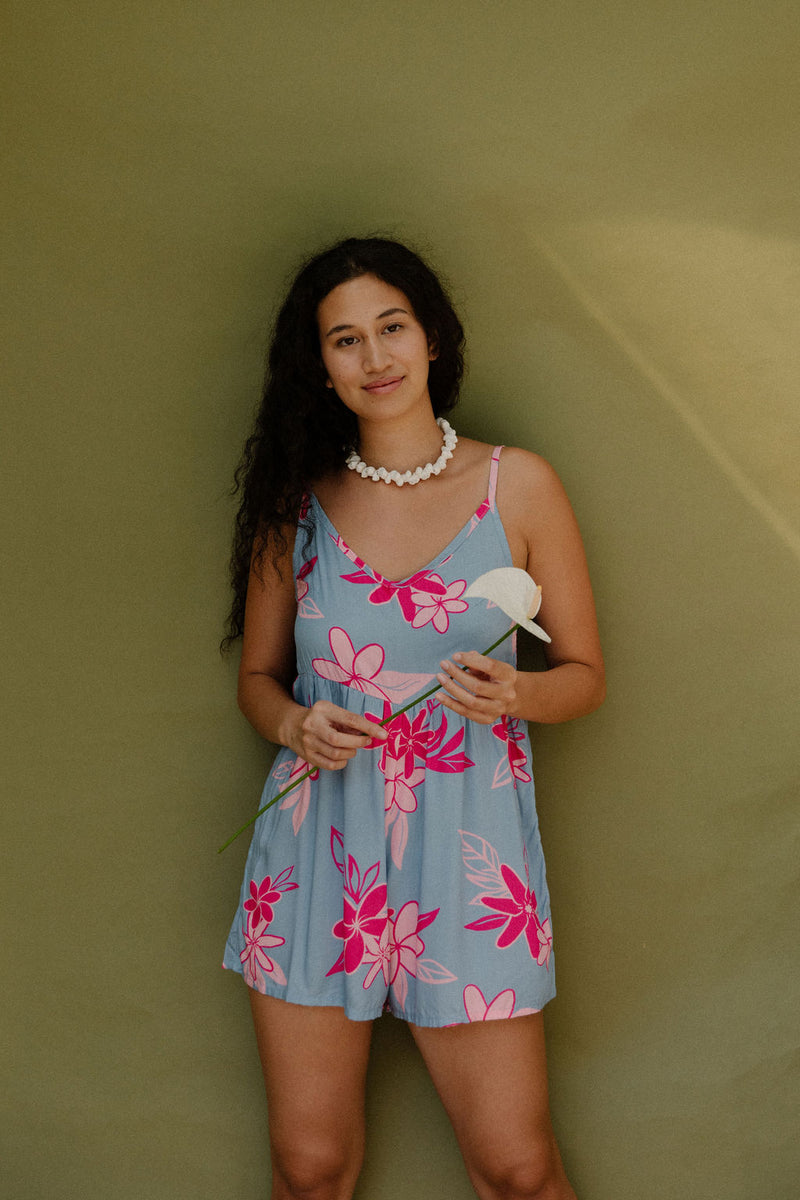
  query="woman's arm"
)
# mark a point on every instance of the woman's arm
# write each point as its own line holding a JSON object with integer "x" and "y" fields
{"x": 544, "y": 539}
{"x": 323, "y": 735}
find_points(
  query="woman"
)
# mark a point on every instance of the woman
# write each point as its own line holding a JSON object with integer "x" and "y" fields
{"x": 407, "y": 871}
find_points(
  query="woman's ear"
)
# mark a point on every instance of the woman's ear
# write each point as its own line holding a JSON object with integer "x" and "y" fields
{"x": 433, "y": 349}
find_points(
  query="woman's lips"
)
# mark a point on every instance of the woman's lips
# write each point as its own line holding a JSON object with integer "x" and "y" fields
{"x": 382, "y": 387}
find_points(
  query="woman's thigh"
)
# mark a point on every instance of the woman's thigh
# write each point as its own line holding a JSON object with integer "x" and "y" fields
{"x": 492, "y": 1078}
{"x": 314, "y": 1062}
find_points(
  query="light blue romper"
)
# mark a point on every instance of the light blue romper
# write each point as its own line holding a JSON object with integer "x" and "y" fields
{"x": 413, "y": 879}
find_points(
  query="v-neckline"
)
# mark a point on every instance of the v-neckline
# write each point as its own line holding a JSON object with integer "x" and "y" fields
{"x": 437, "y": 560}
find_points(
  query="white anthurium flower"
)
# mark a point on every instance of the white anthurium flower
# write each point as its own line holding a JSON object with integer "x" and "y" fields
{"x": 513, "y": 590}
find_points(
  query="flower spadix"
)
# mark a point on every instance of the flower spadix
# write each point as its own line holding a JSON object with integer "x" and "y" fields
{"x": 512, "y": 590}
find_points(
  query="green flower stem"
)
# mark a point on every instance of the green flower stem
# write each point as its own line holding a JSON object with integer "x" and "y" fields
{"x": 411, "y": 703}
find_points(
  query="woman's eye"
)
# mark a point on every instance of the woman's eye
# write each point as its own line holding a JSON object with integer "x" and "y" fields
{"x": 393, "y": 327}
{"x": 346, "y": 341}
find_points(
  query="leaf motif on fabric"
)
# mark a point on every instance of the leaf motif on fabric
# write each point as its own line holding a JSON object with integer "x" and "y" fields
{"x": 483, "y": 863}
{"x": 370, "y": 876}
{"x": 502, "y": 773}
{"x": 399, "y": 838}
{"x": 397, "y": 685}
{"x": 282, "y": 882}
{"x": 400, "y": 988}
{"x": 443, "y": 758}
{"x": 359, "y": 577}
{"x": 308, "y": 609}
{"x": 483, "y": 923}
{"x": 426, "y": 919}
{"x": 353, "y": 876}
{"x": 431, "y": 971}
{"x": 282, "y": 771}
{"x": 337, "y": 843}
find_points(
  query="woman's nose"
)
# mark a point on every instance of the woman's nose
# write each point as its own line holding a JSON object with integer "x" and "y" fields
{"x": 376, "y": 355}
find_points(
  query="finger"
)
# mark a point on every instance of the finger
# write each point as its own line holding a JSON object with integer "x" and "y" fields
{"x": 339, "y": 735}
{"x": 332, "y": 758}
{"x": 474, "y": 682}
{"x": 468, "y": 711}
{"x": 479, "y": 664}
{"x": 356, "y": 724}
{"x": 329, "y": 764}
{"x": 472, "y": 701}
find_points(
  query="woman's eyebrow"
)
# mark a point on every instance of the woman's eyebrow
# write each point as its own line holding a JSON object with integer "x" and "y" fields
{"x": 380, "y": 317}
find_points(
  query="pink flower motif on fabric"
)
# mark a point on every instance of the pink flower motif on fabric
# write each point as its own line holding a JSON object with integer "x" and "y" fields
{"x": 500, "y": 1008}
{"x": 511, "y": 902}
{"x": 300, "y": 796}
{"x": 415, "y": 740}
{"x": 257, "y": 964}
{"x": 436, "y": 607}
{"x": 389, "y": 945}
{"x": 411, "y": 749}
{"x": 264, "y": 895}
{"x": 399, "y": 800}
{"x": 355, "y": 668}
{"x": 396, "y": 954}
{"x": 512, "y": 765}
{"x": 362, "y": 670}
{"x": 306, "y": 607}
{"x": 424, "y": 597}
{"x": 364, "y": 907}
{"x": 384, "y": 590}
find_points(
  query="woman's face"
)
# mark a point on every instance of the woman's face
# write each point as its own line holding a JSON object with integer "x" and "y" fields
{"x": 375, "y": 351}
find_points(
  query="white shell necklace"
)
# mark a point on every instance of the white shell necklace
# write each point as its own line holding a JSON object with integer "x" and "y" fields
{"x": 448, "y": 446}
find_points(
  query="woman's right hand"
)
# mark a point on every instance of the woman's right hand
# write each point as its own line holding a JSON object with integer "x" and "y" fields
{"x": 328, "y": 736}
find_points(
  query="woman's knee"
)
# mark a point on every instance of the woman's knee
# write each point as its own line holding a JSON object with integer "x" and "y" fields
{"x": 534, "y": 1172}
{"x": 317, "y": 1170}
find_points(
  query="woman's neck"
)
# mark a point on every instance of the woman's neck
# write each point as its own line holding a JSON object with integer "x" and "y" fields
{"x": 401, "y": 445}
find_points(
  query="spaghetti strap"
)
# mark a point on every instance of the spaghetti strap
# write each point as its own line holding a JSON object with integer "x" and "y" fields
{"x": 493, "y": 476}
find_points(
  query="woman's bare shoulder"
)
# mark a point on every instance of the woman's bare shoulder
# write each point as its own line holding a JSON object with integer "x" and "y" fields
{"x": 527, "y": 475}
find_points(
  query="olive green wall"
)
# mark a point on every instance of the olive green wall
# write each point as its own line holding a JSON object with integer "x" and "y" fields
{"x": 612, "y": 189}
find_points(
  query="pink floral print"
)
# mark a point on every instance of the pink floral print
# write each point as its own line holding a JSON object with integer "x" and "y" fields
{"x": 364, "y": 907}
{"x": 355, "y": 668}
{"x": 424, "y": 597}
{"x": 262, "y": 897}
{"x": 412, "y": 748}
{"x": 384, "y": 590}
{"x": 410, "y": 740}
{"x": 388, "y": 945}
{"x": 399, "y": 912}
{"x": 306, "y": 606}
{"x": 511, "y": 767}
{"x": 500, "y": 1008}
{"x": 362, "y": 669}
{"x": 399, "y": 800}
{"x": 436, "y": 607}
{"x": 300, "y": 796}
{"x": 511, "y": 902}
{"x": 257, "y": 963}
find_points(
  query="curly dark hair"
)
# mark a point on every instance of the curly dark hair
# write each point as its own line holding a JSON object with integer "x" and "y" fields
{"x": 302, "y": 430}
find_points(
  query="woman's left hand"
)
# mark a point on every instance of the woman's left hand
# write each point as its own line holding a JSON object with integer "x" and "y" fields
{"x": 483, "y": 693}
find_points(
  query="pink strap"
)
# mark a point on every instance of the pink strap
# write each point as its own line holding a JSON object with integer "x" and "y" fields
{"x": 493, "y": 475}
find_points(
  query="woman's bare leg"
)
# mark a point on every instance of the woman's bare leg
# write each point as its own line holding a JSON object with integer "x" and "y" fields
{"x": 492, "y": 1078}
{"x": 314, "y": 1062}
